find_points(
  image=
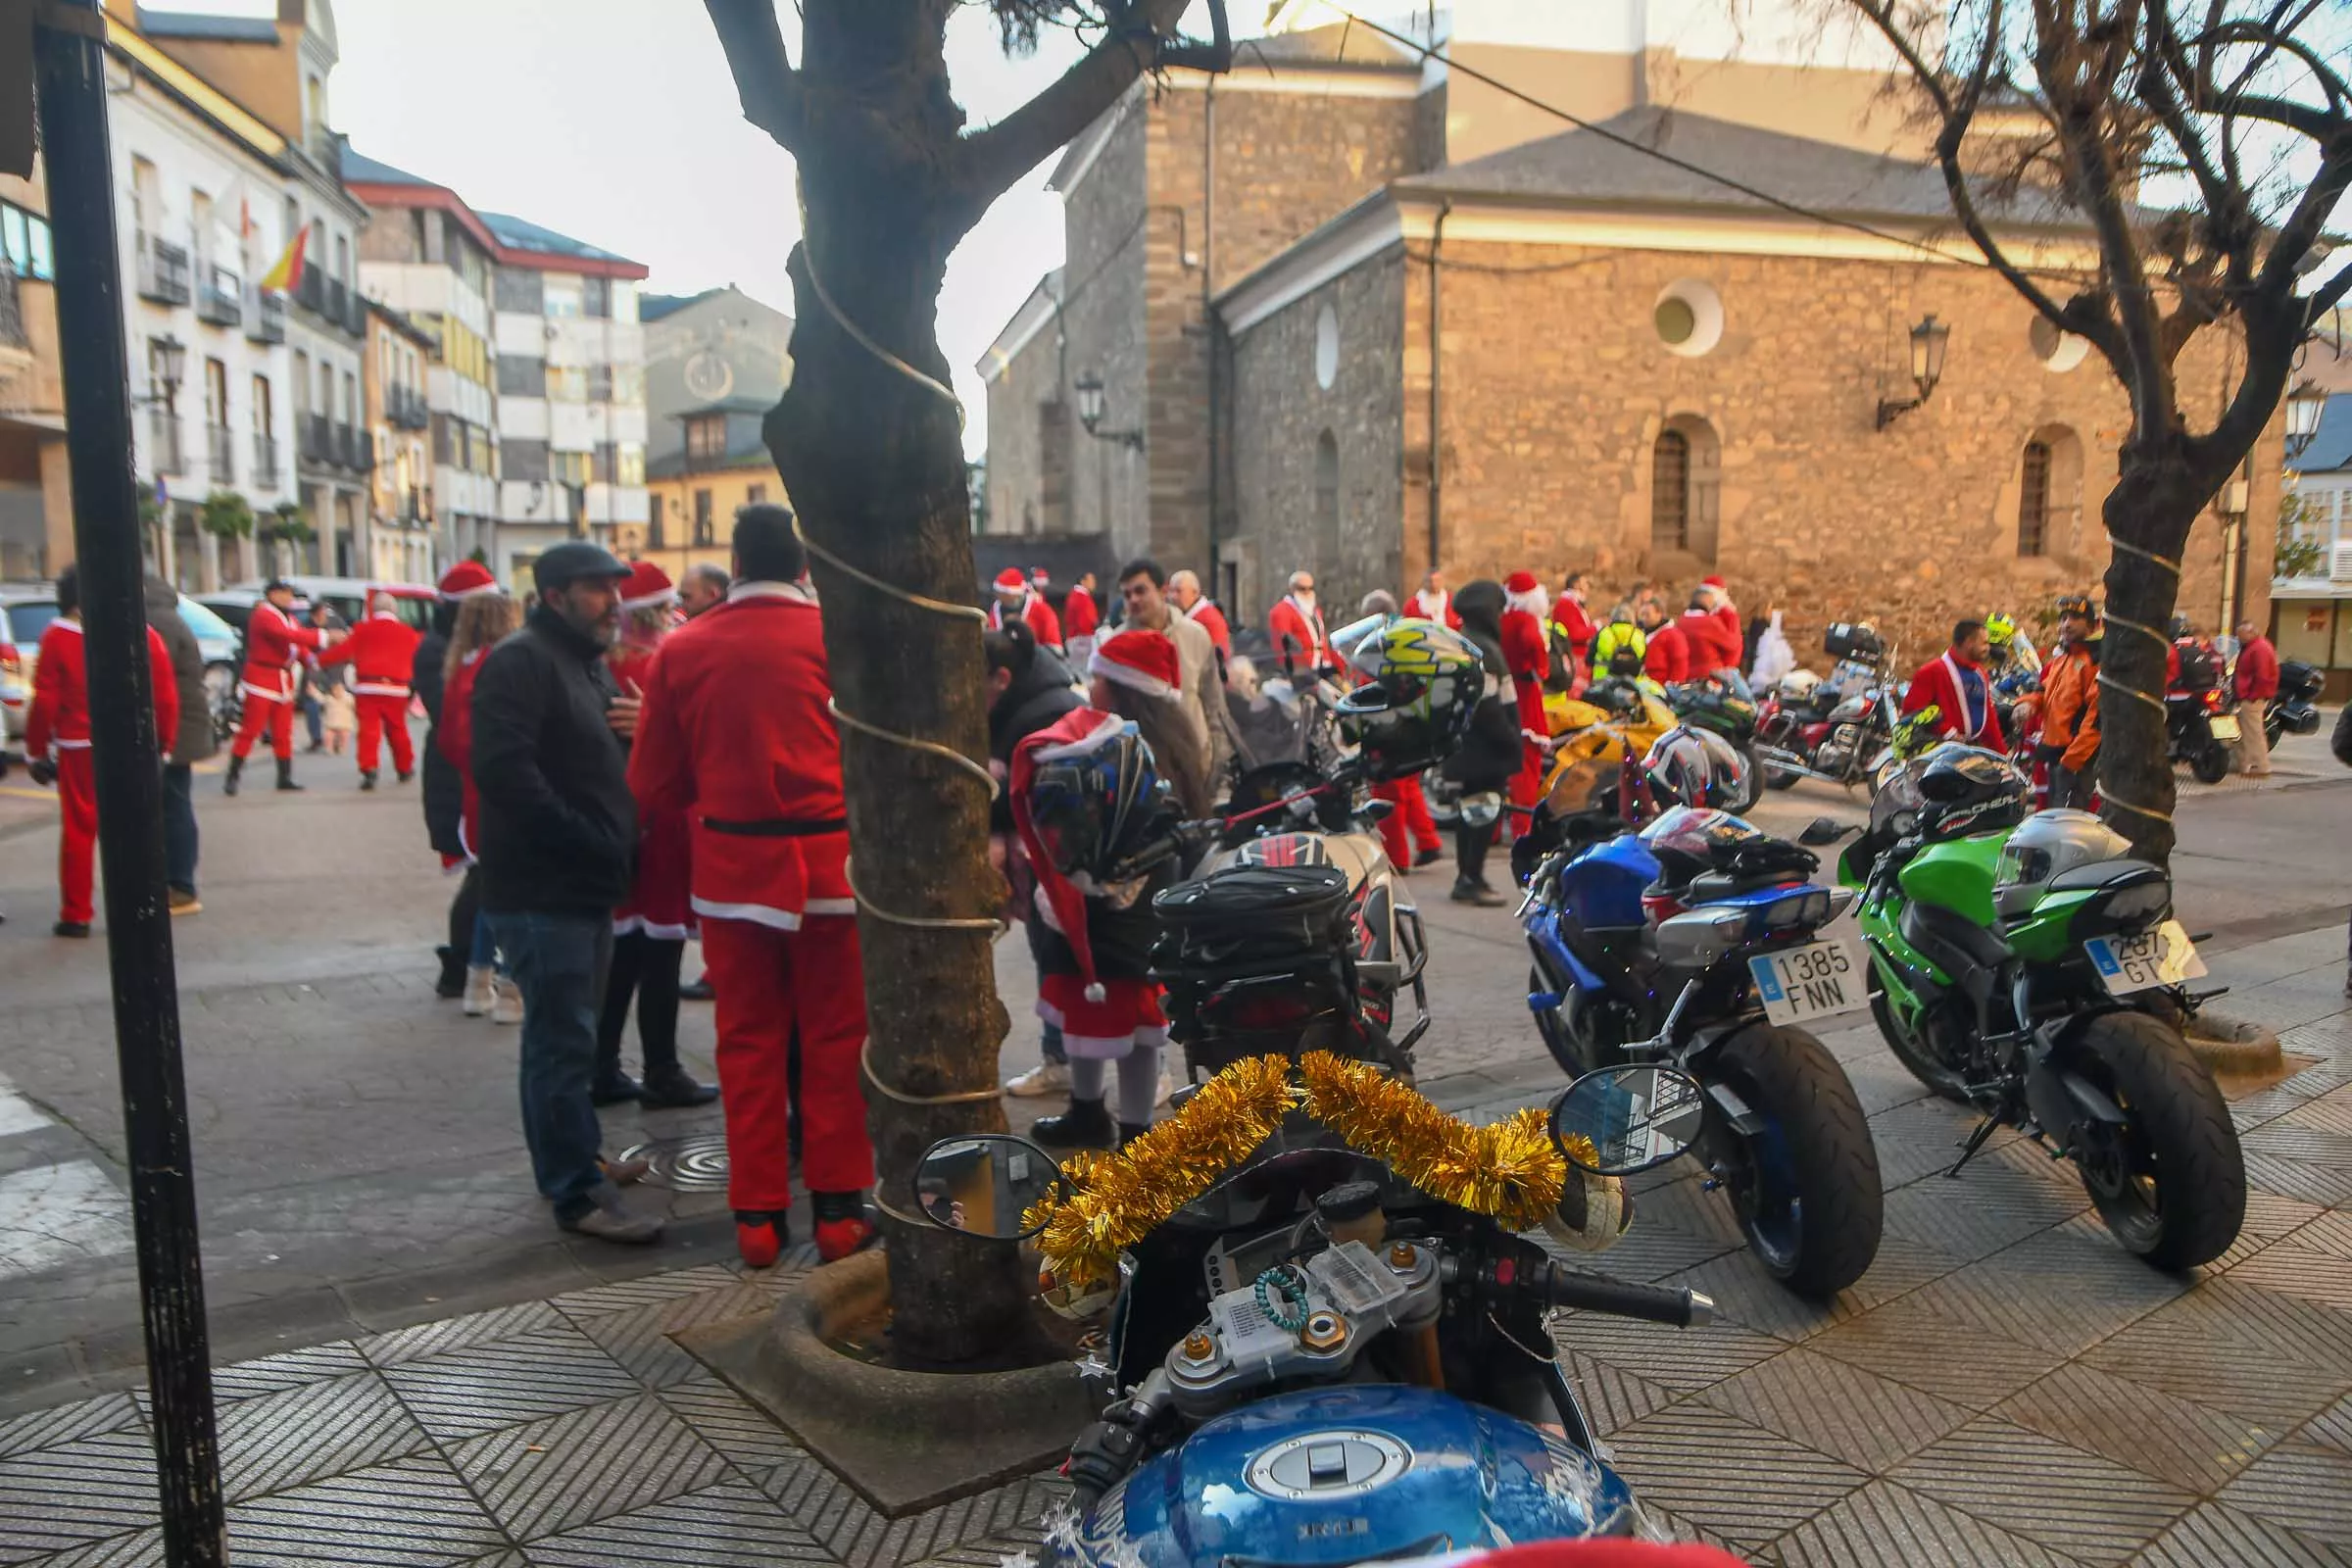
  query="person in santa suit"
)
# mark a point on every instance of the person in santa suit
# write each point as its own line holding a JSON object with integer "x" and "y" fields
{"x": 381, "y": 651}
{"x": 274, "y": 648}
{"x": 1527, "y": 653}
{"x": 1571, "y": 632}
{"x": 1667, "y": 656}
{"x": 1184, "y": 592}
{"x": 57, "y": 737}
{"x": 1720, "y": 605}
{"x": 1955, "y": 684}
{"x": 1715, "y": 647}
{"x": 1434, "y": 603}
{"x": 1080, "y": 617}
{"x": 650, "y": 930}
{"x": 737, "y": 732}
{"x": 1295, "y": 626}
{"x": 1018, "y": 601}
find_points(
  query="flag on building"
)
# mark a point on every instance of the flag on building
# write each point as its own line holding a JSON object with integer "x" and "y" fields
{"x": 286, "y": 276}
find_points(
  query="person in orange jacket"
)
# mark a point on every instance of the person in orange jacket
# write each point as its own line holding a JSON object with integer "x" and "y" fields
{"x": 2070, "y": 705}
{"x": 380, "y": 650}
{"x": 274, "y": 645}
{"x": 57, "y": 738}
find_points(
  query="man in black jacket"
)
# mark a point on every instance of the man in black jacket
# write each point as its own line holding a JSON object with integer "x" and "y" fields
{"x": 558, "y": 833}
{"x": 444, "y": 791}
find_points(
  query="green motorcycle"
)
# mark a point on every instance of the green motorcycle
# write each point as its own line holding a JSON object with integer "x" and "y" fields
{"x": 2028, "y": 965}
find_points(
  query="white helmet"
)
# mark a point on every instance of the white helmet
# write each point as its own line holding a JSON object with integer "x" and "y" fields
{"x": 1798, "y": 685}
{"x": 1694, "y": 767}
{"x": 2047, "y": 845}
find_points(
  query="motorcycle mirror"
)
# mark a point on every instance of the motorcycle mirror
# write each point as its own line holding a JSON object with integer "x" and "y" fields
{"x": 982, "y": 1185}
{"x": 1637, "y": 1117}
{"x": 1823, "y": 830}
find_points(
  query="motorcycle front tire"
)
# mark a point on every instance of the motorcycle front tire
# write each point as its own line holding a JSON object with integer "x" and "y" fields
{"x": 1806, "y": 1187}
{"x": 2212, "y": 765}
{"x": 1918, "y": 1059}
{"x": 2181, "y": 1123}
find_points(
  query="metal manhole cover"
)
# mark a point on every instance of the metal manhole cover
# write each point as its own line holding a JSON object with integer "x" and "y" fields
{"x": 696, "y": 1164}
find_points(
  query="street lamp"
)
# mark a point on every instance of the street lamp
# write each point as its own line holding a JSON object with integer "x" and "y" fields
{"x": 1928, "y": 342}
{"x": 167, "y": 362}
{"x": 1089, "y": 388}
{"x": 2305, "y": 403}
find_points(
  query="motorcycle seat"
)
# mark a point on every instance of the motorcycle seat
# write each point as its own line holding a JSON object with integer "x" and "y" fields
{"x": 2099, "y": 873}
{"x": 1730, "y": 884}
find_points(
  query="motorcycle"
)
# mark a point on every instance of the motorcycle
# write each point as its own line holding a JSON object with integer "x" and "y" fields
{"x": 1315, "y": 1360}
{"x": 1696, "y": 941}
{"x": 1731, "y": 713}
{"x": 1841, "y": 734}
{"x": 2295, "y": 710}
{"x": 2200, "y": 730}
{"x": 2047, "y": 998}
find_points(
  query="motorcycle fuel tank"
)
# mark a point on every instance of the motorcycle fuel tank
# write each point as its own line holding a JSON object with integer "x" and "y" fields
{"x": 1363, "y": 1473}
{"x": 1602, "y": 887}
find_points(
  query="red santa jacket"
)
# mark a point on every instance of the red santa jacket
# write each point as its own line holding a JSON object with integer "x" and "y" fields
{"x": 1669, "y": 658}
{"x": 1529, "y": 659}
{"x": 736, "y": 731}
{"x": 380, "y": 650}
{"x": 60, "y": 719}
{"x": 1574, "y": 626}
{"x": 1300, "y": 642}
{"x": 1712, "y": 647}
{"x": 455, "y": 736}
{"x": 1036, "y": 613}
{"x": 1963, "y": 699}
{"x": 1211, "y": 620}
{"x": 1438, "y": 607}
{"x": 272, "y": 643}
{"x": 1079, "y": 616}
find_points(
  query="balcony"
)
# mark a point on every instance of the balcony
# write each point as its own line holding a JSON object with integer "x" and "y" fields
{"x": 405, "y": 407}
{"x": 311, "y": 294}
{"x": 317, "y": 438}
{"x": 355, "y": 315}
{"x": 264, "y": 462}
{"x": 268, "y": 322}
{"x": 12, "y": 312}
{"x": 163, "y": 441}
{"x": 163, "y": 272}
{"x": 338, "y": 302}
{"x": 362, "y": 450}
{"x": 222, "y": 300}
{"x": 347, "y": 445}
{"x": 220, "y": 448}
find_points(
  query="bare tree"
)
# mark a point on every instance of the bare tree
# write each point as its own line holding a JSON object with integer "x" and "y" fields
{"x": 869, "y": 441}
{"x": 2240, "y": 104}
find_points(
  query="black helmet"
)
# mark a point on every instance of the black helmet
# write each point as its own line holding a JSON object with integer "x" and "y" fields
{"x": 1422, "y": 683}
{"x": 2182, "y": 626}
{"x": 1973, "y": 790}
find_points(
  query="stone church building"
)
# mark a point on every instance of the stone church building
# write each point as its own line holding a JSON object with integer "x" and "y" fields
{"x": 1349, "y": 311}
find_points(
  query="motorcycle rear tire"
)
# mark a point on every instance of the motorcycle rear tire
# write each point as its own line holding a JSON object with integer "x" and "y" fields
{"x": 2178, "y": 1116}
{"x": 1806, "y": 1190}
{"x": 2212, "y": 765}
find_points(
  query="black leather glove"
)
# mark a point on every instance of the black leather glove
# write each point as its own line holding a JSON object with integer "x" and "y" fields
{"x": 43, "y": 771}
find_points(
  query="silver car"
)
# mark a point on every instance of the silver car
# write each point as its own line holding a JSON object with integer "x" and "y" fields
{"x": 27, "y": 612}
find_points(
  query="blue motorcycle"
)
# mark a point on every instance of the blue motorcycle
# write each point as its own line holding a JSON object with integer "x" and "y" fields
{"x": 1320, "y": 1363}
{"x": 1695, "y": 942}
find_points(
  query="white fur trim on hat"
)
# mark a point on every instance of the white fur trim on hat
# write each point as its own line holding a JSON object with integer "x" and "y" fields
{"x": 1127, "y": 675}
{"x": 667, "y": 595}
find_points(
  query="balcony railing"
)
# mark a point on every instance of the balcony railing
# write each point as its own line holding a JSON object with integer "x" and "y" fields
{"x": 338, "y": 301}
{"x": 406, "y": 409}
{"x": 264, "y": 462}
{"x": 311, "y": 293}
{"x": 163, "y": 440}
{"x": 317, "y": 434}
{"x": 355, "y": 313}
{"x": 268, "y": 322}
{"x": 12, "y": 312}
{"x": 163, "y": 272}
{"x": 220, "y": 448}
{"x": 222, "y": 300}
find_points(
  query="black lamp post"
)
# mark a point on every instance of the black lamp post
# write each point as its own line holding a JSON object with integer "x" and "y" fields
{"x": 1089, "y": 388}
{"x": 1927, "y": 341}
{"x": 2305, "y": 403}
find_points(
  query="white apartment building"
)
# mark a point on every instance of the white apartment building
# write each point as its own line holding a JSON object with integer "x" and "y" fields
{"x": 399, "y": 354}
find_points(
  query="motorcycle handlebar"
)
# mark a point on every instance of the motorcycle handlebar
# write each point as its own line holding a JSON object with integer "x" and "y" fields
{"x": 1564, "y": 1287}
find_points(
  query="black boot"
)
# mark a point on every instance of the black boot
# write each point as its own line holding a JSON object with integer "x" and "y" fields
{"x": 368, "y": 779}
{"x": 405, "y": 778}
{"x": 1085, "y": 1125}
{"x": 614, "y": 1088}
{"x": 236, "y": 768}
{"x": 673, "y": 1088}
{"x": 285, "y": 774}
{"x": 1129, "y": 1132}
{"x": 1470, "y": 845}
{"x": 452, "y": 983}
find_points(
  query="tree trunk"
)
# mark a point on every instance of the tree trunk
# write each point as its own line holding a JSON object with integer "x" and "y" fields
{"x": 2155, "y": 501}
{"x": 873, "y": 462}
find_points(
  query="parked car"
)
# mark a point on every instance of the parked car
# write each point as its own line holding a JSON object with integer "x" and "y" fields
{"x": 347, "y": 597}
{"x": 28, "y": 610}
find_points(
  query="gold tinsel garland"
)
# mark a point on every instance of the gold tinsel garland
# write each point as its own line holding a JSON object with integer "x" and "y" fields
{"x": 1108, "y": 1203}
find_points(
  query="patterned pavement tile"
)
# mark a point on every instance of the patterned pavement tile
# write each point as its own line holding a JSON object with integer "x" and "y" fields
{"x": 67, "y": 1423}
{"x": 2308, "y": 1491}
{"x": 2073, "y": 1502}
{"x": 1988, "y": 1207}
{"x": 2331, "y": 1112}
{"x": 1613, "y": 1398}
{"x": 1887, "y": 1526}
{"x": 748, "y": 1436}
{"x": 2270, "y": 1215}
{"x": 2331, "y": 1428}
{"x": 411, "y": 1513}
{"x": 558, "y": 1474}
{"x": 2308, "y": 1274}
{"x": 1682, "y": 1359}
{"x": 2247, "y": 1312}
{"x": 1921, "y": 1139}
{"x": 639, "y": 1340}
{"x": 2151, "y": 1430}
{"x": 1008, "y": 1523}
{"x": 1860, "y": 1417}
{"x": 2063, "y": 1288}
{"x": 725, "y": 1526}
{"x": 648, "y": 1290}
{"x": 2184, "y": 1352}
{"x": 143, "y": 1549}
{"x": 423, "y": 1340}
{"x": 484, "y": 1387}
{"x": 2214, "y": 1535}
{"x": 292, "y": 1369}
{"x": 1721, "y": 1473}
{"x": 282, "y": 1439}
{"x": 1651, "y": 1253}
{"x": 1909, "y": 1344}
{"x": 1746, "y": 1295}
{"x": 2299, "y": 1178}
{"x": 2330, "y": 1232}
{"x": 78, "y": 1491}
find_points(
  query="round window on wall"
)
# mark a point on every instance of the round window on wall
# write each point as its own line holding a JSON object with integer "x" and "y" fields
{"x": 1688, "y": 316}
{"x": 2055, "y": 348}
{"x": 1327, "y": 347}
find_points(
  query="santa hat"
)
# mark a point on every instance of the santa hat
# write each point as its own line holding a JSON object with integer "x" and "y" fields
{"x": 1140, "y": 660}
{"x": 646, "y": 586}
{"x": 1520, "y": 583}
{"x": 1524, "y": 591}
{"x": 467, "y": 579}
{"x": 1010, "y": 580}
{"x": 1716, "y": 583}
{"x": 1039, "y": 575}
{"x": 1078, "y": 733}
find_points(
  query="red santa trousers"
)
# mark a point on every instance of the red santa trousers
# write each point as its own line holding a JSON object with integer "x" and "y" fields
{"x": 261, "y": 711}
{"x": 768, "y": 981}
{"x": 1411, "y": 820}
{"x": 387, "y": 717}
{"x": 77, "y": 844}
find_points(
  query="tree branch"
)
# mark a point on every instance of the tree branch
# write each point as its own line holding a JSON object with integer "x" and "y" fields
{"x": 770, "y": 89}
{"x": 2327, "y": 298}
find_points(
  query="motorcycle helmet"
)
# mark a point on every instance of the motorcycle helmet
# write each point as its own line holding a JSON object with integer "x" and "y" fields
{"x": 2078, "y": 605}
{"x": 1999, "y": 630}
{"x": 1973, "y": 790}
{"x": 1098, "y": 806}
{"x": 1619, "y": 649}
{"x": 2180, "y": 627}
{"x": 1421, "y": 684}
{"x": 1799, "y": 686}
{"x": 2048, "y": 845}
{"x": 1694, "y": 767}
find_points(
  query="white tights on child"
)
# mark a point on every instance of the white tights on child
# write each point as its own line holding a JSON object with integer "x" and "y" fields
{"x": 1139, "y": 1082}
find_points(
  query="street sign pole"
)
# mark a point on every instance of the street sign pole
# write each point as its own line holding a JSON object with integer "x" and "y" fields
{"x": 69, "y": 73}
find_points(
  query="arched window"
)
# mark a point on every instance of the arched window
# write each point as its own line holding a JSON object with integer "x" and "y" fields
{"x": 1670, "y": 492}
{"x": 1685, "y": 466}
{"x": 2049, "y": 493}
{"x": 2033, "y": 502}
{"x": 1327, "y": 495}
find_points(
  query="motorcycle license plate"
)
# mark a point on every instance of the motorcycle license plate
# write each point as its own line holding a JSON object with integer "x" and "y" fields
{"x": 1813, "y": 981}
{"x": 2225, "y": 728}
{"x": 2164, "y": 957}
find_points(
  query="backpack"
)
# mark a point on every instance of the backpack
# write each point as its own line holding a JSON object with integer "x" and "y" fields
{"x": 2200, "y": 669}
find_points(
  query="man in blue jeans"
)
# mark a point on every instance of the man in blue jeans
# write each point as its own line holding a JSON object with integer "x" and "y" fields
{"x": 559, "y": 831}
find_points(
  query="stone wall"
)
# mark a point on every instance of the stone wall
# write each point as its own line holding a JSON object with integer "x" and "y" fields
{"x": 1028, "y": 469}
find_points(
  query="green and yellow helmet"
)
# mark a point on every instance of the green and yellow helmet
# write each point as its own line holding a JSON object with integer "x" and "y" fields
{"x": 1619, "y": 649}
{"x": 1421, "y": 682}
{"x": 1999, "y": 629}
